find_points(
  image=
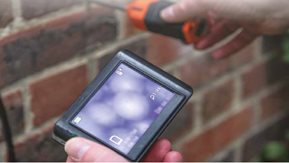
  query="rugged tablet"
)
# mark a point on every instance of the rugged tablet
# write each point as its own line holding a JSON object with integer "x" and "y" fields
{"x": 126, "y": 107}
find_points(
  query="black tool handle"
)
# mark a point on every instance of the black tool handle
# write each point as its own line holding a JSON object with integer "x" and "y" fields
{"x": 156, "y": 24}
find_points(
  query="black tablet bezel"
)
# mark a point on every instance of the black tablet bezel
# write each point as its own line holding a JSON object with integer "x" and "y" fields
{"x": 64, "y": 129}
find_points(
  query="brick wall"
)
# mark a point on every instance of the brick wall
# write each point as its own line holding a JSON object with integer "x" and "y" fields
{"x": 51, "y": 49}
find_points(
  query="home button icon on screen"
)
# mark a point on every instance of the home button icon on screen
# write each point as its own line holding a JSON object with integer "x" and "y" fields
{"x": 115, "y": 139}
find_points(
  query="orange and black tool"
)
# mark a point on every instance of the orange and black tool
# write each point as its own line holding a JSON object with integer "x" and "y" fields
{"x": 145, "y": 15}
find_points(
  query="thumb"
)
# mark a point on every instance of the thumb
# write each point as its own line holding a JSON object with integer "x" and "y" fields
{"x": 245, "y": 10}
{"x": 82, "y": 150}
{"x": 184, "y": 10}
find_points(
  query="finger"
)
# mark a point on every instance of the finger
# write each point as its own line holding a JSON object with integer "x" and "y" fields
{"x": 212, "y": 19}
{"x": 218, "y": 32}
{"x": 158, "y": 151}
{"x": 82, "y": 150}
{"x": 173, "y": 156}
{"x": 239, "y": 42}
{"x": 186, "y": 9}
{"x": 183, "y": 11}
{"x": 69, "y": 159}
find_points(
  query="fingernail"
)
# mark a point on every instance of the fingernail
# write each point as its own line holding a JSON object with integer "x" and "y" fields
{"x": 76, "y": 148}
{"x": 167, "y": 13}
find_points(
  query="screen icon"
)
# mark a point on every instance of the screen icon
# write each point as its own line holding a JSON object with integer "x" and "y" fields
{"x": 116, "y": 140}
{"x": 119, "y": 72}
{"x": 76, "y": 120}
{"x": 164, "y": 103}
{"x": 158, "y": 110}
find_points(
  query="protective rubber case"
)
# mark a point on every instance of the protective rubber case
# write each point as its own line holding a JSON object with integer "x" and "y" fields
{"x": 65, "y": 129}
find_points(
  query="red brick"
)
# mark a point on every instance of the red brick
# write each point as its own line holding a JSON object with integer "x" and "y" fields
{"x": 40, "y": 147}
{"x": 128, "y": 28}
{"x": 53, "y": 95}
{"x": 48, "y": 44}
{"x": 254, "y": 80}
{"x": 5, "y": 13}
{"x": 263, "y": 75}
{"x": 39, "y": 47}
{"x": 163, "y": 50}
{"x": 100, "y": 26}
{"x": 242, "y": 57}
{"x": 214, "y": 139}
{"x": 156, "y": 49}
{"x": 203, "y": 69}
{"x": 35, "y": 8}
{"x": 275, "y": 102}
{"x": 218, "y": 100}
{"x": 138, "y": 47}
{"x": 13, "y": 101}
{"x": 181, "y": 125}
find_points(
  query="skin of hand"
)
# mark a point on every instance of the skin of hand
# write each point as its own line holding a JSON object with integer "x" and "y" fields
{"x": 83, "y": 150}
{"x": 251, "y": 18}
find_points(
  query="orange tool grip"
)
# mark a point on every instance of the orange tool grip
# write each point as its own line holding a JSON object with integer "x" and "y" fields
{"x": 137, "y": 11}
{"x": 194, "y": 30}
{"x": 145, "y": 15}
